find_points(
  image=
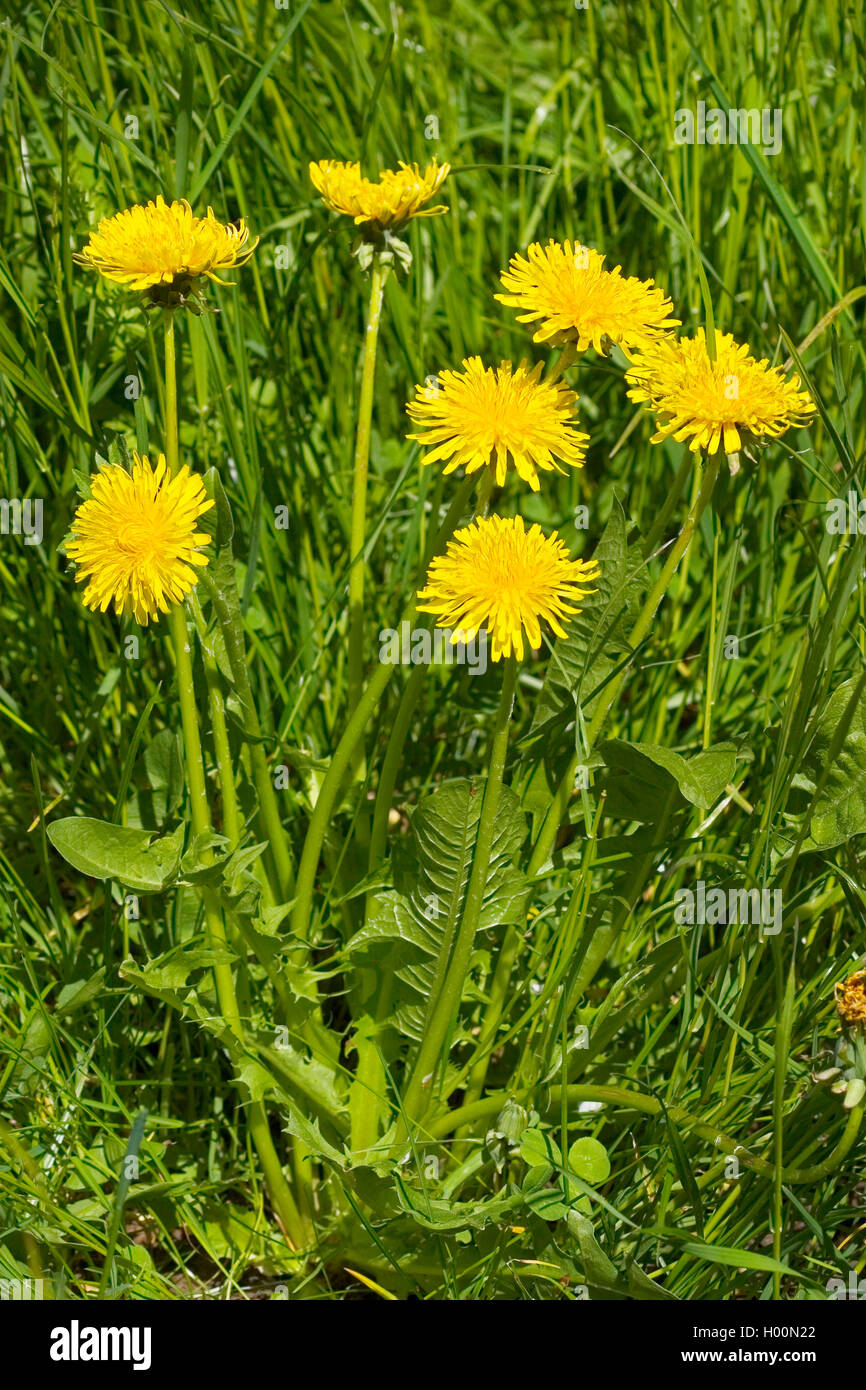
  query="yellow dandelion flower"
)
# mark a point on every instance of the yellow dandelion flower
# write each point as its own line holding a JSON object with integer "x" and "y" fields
{"x": 715, "y": 403}
{"x": 164, "y": 249}
{"x": 496, "y": 574}
{"x": 577, "y": 301}
{"x": 851, "y": 1000}
{"x": 135, "y": 541}
{"x": 495, "y": 416}
{"x": 397, "y": 196}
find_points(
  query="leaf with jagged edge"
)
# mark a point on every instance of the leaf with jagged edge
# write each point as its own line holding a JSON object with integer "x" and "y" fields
{"x": 167, "y": 976}
{"x": 596, "y": 637}
{"x": 641, "y": 780}
{"x": 139, "y": 859}
{"x": 409, "y": 924}
{"x": 834, "y": 769}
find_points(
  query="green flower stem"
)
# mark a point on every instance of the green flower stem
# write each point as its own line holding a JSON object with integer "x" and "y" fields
{"x": 411, "y": 693}
{"x": 232, "y": 822}
{"x": 442, "y": 1009}
{"x": 269, "y": 810}
{"x": 263, "y": 948}
{"x": 368, "y": 1101}
{"x": 555, "y": 368}
{"x": 508, "y": 954}
{"x": 486, "y": 485}
{"x": 661, "y": 522}
{"x": 233, "y": 636}
{"x": 295, "y": 1227}
{"x": 327, "y": 798}
{"x": 391, "y": 763}
{"x": 623, "y": 1098}
{"x": 378, "y": 275}
{"x": 331, "y": 786}
{"x": 608, "y": 696}
{"x": 171, "y": 431}
{"x": 277, "y": 1186}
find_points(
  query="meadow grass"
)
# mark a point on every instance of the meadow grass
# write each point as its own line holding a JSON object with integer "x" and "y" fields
{"x": 558, "y": 123}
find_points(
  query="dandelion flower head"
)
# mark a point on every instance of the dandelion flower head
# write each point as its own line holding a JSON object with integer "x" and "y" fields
{"x": 387, "y": 202}
{"x": 564, "y": 289}
{"x": 164, "y": 249}
{"x": 134, "y": 540}
{"x": 715, "y": 403}
{"x": 496, "y": 574}
{"x": 499, "y": 417}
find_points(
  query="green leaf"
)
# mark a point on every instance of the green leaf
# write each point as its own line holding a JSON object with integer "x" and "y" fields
{"x": 196, "y": 865}
{"x": 316, "y": 1079}
{"x": 434, "y": 1214}
{"x": 255, "y": 1078}
{"x": 685, "y": 1171}
{"x": 390, "y": 921}
{"x": 596, "y": 638}
{"x": 641, "y": 777}
{"x": 78, "y": 993}
{"x": 538, "y": 1149}
{"x": 310, "y": 1134}
{"x": 544, "y": 1198}
{"x": 269, "y": 919}
{"x": 599, "y": 1272}
{"x": 645, "y": 1289}
{"x": 133, "y": 857}
{"x": 835, "y": 769}
{"x": 588, "y": 1159}
{"x": 239, "y": 889}
{"x": 218, "y": 522}
{"x": 240, "y": 860}
{"x": 167, "y": 976}
{"x": 741, "y": 1259}
{"x": 163, "y": 764}
{"x": 431, "y": 873}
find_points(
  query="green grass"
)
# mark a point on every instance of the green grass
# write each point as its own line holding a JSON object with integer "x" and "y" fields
{"x": 558, "y": 123}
